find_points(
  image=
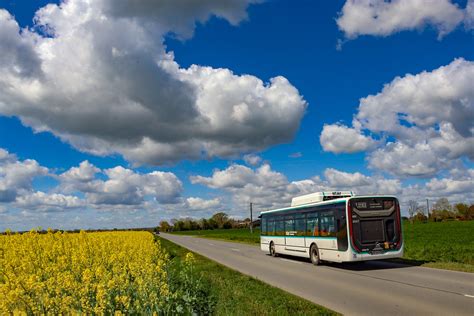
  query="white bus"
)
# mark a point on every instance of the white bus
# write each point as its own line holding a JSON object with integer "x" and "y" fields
{"x": 316, "y": 226}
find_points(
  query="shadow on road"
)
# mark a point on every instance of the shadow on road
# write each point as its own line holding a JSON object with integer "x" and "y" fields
{"x": 361, "y": 266}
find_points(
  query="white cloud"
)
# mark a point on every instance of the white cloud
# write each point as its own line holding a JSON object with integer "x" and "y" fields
{"x": 16, "y": 177}
{"x": 427, "y": 117}
{"x": 267, "y": 194}
{"x": 383, "y": 18}
{"x": 337, "y": 178}
{"x": 262, "y": 186}
{"x": 104, "y": 82}
{"x": 199, "y": 204}
{"x": 269, "y": 189}
{"x": 252, "y": 160}
{"x": 48, "y": 202}
{"x": 469, "y": 18}
{"x": 338, "y": 138}
{"x": 448, "y": 186}
{"x": 122, "y": 186}
{"x": 84, "y": 173}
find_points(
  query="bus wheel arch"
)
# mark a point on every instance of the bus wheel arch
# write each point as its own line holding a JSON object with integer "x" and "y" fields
{"x": 314, "y": 254}
{"x": 272, "y": 249}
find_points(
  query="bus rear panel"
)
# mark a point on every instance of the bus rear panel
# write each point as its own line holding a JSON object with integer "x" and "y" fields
{"x": 375, "y": 226}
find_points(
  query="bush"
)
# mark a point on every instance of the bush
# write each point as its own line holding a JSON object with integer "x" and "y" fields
{"x": 192, "y": 292}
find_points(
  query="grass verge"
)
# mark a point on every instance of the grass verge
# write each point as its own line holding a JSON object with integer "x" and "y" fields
{"x": 242, "y": 235}
{"x": 238, "y": 294}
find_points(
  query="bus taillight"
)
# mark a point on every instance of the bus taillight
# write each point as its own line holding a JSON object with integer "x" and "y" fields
{"x": 351, "y": 233}
{"x": 399, "y": 222}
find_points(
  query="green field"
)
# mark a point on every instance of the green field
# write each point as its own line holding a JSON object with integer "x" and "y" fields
{"x": 236, "y": 294}
{"x": 445, "y": 245}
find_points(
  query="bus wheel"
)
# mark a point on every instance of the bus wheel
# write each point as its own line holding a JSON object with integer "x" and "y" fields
{"x": 314, "y": 255}
{"x": 272, "y": 250}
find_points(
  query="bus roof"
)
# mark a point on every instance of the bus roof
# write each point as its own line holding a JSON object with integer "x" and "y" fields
{"x": 328, "y": 202}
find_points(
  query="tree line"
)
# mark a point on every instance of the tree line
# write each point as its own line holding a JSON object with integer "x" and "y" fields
{"x": 441, "y": 210}
{"x": 219, "y": 220}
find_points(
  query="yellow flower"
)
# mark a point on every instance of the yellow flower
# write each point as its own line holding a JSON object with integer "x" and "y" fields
{"x": 90, "y": 273}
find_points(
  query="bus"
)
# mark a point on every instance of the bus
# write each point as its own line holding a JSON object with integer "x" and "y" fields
{"x": 334, "y": 226}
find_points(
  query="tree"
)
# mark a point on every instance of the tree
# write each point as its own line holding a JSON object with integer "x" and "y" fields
{"x": 412, "y": 208}
{"x": 178, "y": 225}
{"x": 165, "y": 226}
{"x": 220, "y": 218}
{"x": 442, "y": 204}
{"x": 420, "y": 213}
{"x": 466, "y": 212}
{"x": 420, "y": 216}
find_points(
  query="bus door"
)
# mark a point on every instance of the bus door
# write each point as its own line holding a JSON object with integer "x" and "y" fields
{"x": 295, "y": 231}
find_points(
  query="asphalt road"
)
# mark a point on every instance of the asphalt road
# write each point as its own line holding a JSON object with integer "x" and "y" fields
{"x": 371, "y": 288}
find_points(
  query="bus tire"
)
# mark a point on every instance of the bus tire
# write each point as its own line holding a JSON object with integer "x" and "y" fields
{"x": 314, "y": 255}
{"x": 272, "y": 249}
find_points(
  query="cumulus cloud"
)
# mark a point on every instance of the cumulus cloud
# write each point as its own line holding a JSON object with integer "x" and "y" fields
{"x": 16, "y": 177}
{"x": 457, "y": 188}
{"x": 262, "y": 186}
{"x": 450, "y": 186}
{"x": 17, "y": 189}
{"x": 270, "y": 189}
{"x": 469, "y": 19}
{"x": 199, "y": 204}
{"x": 338, "y": 138}
{"x": 48, "y": 202}
{"x": 383, "y": 18}
{"x": 427, "y": 118}
{"x": 103, "y": 81}
{"x": 122, "y": 186}
{"x": 85, "y": 187}
{"x": 338, "y": 178}
{"x": 252, "y": 160}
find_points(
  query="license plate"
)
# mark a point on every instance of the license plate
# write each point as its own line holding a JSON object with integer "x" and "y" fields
{"x": 376, "y": 252}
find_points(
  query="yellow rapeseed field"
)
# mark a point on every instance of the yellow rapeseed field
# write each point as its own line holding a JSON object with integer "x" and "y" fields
{"x": 90, "y": 273}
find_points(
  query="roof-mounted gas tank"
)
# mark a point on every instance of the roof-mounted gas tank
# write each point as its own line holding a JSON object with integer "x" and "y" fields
{"x": 319, "y": 197}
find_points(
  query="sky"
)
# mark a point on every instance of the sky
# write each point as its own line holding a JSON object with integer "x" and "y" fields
{"x": 121, "y": 113}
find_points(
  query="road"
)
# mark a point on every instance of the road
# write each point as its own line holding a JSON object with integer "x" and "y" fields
{"x": 371, "y": 288}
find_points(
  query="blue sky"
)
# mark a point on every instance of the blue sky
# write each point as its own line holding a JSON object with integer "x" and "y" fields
{"x": 295, "y": 40}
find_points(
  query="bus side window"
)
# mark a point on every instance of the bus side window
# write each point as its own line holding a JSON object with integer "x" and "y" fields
{"x": 300, "y": 224}
{"x": 271, "y": 227}
{"x": 312, "y": 226}
{"x": 328, "y": 224}
{"x": 263, "y": 226}
{"x": 289, "y": 225}
{"x": 280, "y": 226}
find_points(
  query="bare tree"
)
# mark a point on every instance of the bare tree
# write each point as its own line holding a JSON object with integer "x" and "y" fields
{"x": 412, "y": 208}
{"x": 442, "y": 205}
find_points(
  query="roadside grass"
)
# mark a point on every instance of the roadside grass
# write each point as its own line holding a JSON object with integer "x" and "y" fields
{"x": 443, "y": 245}
{"x": 238, "y": 294}
{"x": 237, "y": 234}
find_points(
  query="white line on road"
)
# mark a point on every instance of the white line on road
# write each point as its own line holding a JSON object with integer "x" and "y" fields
{"x": 234, "y": 249}
{"x": 211, "y": 244}
{"x": 287, "y": 260}
{"x": 467, "y": 295}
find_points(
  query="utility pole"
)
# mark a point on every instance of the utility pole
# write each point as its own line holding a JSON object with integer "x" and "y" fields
{"x": 428, "y": 208}
{"x": 251, "y": 219}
